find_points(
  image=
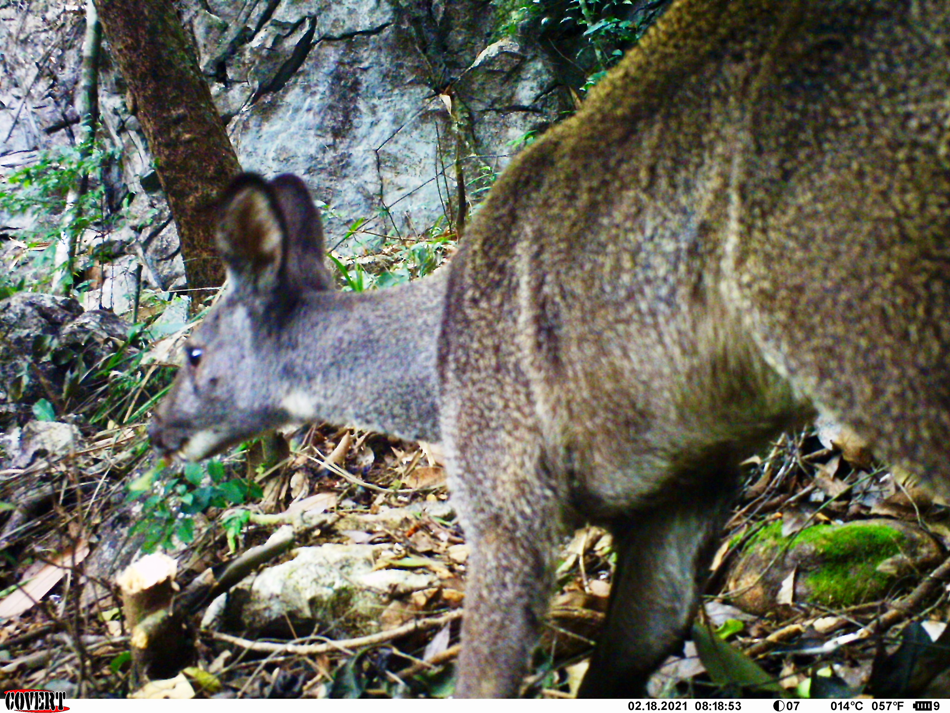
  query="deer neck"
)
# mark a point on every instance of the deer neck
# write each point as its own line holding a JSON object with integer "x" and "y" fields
{"x": 369, "y": 359}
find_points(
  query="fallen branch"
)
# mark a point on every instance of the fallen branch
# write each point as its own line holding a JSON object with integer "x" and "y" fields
{"x": 913, "y": 601}
{"x": 904, "y": 608}
{"x": 342, "y": 645}
{"x": 440, "y": 659}
{"x": 210, "y": 584}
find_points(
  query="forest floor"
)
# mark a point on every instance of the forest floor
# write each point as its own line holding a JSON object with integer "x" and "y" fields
{"x": 63, "y": 628}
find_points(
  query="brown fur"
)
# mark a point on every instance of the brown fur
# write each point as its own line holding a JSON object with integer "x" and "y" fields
{"x": 747, "y": 223}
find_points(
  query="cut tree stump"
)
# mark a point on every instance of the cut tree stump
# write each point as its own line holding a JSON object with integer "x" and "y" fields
{"x": 161, "y": 643}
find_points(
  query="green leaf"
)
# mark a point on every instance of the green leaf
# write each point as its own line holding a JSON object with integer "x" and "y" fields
{"x": 235, "y": 491}
{"x": 142, "y": 484}
{"x": 412, "y": 562}
{"x": 194, "y": 473}
{"x": 43, "y": 411}
{"x": 207, "y": 682}
{"x": 234, "y": 525}
{"x": 438, "y": 682}
{"x": 120, "y": 662}
{"x": 236, "y": 521}
{"x": 350, "y": 680}
{"x": 354, "y": 226}
{"x": 391, "y": 279}
{"x": 727, "y": 665}
{"x": 198, "y": 501}
{"x": 113, "y": 614}
{"x": 216, "y": 470}
{"x": 344, "y": 272}
{"x": 185, "y": 531}
{"x": 729, "y": 628}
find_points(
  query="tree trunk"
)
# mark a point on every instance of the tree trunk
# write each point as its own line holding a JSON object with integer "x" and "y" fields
{"x": 193, "y": 156}
{"x": 87, "y": 106}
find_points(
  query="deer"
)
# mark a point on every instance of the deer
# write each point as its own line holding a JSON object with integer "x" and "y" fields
{"x": 745, "y": 225}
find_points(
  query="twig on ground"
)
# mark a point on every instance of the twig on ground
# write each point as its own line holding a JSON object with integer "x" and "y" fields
{"x": 344, "y": 645}
{"x": 440, "y": 659}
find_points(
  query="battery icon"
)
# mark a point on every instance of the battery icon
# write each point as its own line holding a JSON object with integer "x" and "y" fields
{"x": 923, "y": 705}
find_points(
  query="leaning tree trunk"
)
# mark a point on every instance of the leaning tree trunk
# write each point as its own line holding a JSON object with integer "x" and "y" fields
{"x": 87, "y": 106}
{"x": 193, "y": 155}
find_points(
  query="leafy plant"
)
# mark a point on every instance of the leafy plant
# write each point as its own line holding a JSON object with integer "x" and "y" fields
{"x": 353, "y": 275}
{"x": 40, "y": 191}
{"x": 9, "y": 286}
{"x": 607, "y": 27}
{"x": 510, "y": 14}
{"x": 608, "y": 32}
{"x": 526, "y": 139}
{"x": 113, "y": 386}
{"x": 485, "y": 179}
{"x": 404, "y": 262}
{"x": 171, "y": 501}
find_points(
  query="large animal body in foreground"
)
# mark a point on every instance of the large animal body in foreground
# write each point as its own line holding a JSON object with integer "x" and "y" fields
{"x": 746, "y": 224}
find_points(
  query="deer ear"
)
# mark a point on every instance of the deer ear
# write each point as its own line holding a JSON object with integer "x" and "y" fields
{"x": 304, "y": 247}
{"x": 250, "y": 233}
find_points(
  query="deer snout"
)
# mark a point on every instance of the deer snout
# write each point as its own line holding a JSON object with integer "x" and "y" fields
{"x": 163, "y": 441}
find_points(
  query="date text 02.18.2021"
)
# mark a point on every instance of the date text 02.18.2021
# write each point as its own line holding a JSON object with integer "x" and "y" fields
{"x": 783, "y": 706}
{"x": 683, "y": 706}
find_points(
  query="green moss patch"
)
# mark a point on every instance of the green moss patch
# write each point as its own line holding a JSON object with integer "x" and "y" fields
{"x": 835, "y": 566}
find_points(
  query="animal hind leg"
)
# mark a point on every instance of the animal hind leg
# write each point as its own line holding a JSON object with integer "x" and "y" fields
{"x": 662, "y": 556}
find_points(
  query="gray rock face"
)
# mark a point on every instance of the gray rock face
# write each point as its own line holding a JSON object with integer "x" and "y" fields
{"x": 39, "y": 439}
{"x": 44, "y": 338}
{"x": 347, "y": 95}
{"x": 39, "y": 63}
{"x": 28, "y": 322}
{"x": 373, "y": 102}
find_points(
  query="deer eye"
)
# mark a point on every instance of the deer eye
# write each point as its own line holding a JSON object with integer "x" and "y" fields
{"x": 193, "y": 355}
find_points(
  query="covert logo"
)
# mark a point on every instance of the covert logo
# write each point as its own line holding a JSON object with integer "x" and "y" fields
{"x": 35, "y": 701}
